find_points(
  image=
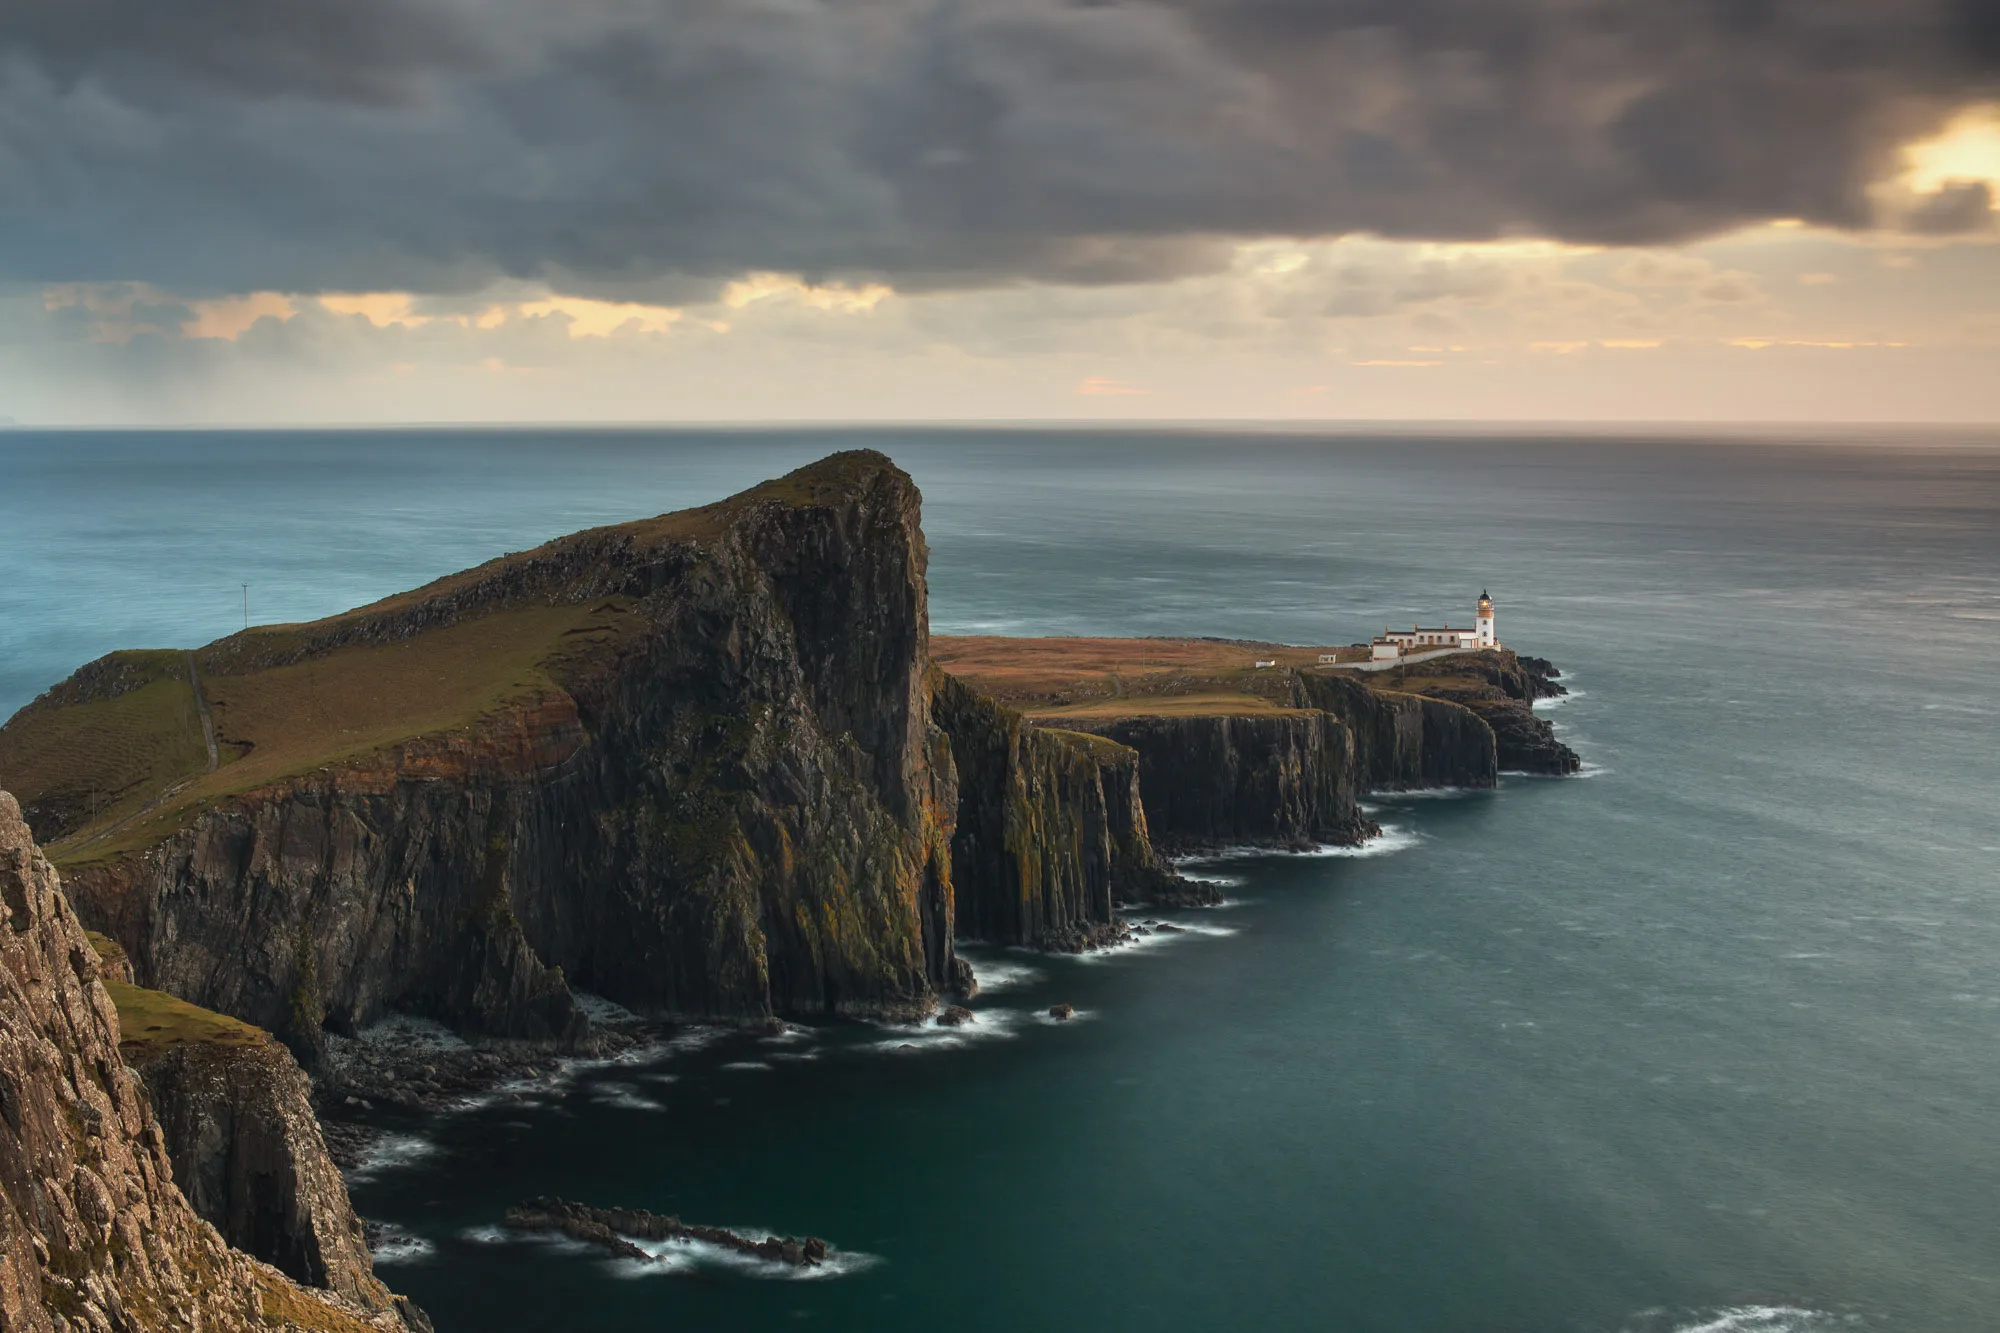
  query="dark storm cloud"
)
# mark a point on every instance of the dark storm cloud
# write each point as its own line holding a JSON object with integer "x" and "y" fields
{"x": 639, "y": 146}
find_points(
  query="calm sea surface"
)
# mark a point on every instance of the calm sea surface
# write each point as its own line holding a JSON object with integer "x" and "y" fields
{"x": 1706, "y": 1039}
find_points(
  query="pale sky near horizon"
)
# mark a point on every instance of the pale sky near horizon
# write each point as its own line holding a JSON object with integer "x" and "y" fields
{"x": 381, "y": 211}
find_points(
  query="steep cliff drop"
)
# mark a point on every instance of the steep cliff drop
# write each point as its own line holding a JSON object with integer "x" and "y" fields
{"x": 94, "y": 1234}
{"x": 687, "y": 763}
{"x": 1051, "y": 831}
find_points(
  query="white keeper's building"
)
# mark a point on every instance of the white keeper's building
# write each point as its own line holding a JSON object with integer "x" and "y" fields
{"x": 1395, "y": 643}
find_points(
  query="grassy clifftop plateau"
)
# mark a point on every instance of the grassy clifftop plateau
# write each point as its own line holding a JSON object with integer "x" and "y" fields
{"x": 480, "y": 664}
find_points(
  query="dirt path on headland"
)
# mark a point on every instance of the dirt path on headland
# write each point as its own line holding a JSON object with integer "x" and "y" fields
{"x": 207, "y": 718}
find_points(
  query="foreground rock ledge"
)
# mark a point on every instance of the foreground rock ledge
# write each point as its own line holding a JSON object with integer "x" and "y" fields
{"x": 94, "y": 1234}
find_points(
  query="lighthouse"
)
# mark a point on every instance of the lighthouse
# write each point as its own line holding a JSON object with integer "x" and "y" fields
{"x": 1482, "y": 624}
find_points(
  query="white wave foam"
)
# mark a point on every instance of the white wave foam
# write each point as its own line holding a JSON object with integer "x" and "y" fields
{"x": 791, "y": 1035}
{"x": 390, "y": 1152}
{"x": 624, "y": 1096}
{"x": 1559, "y": 700}
{"x": 397, "y": 1245}
{"x": 661, "y": 1078}
{"x": 681, "y": 1255}
{"x": 1000, "y": 974}
{"x": 1047, "y": 1019}
{"x": 1745, "y": 1319}
{"x": 1393, "y": 838}
{"x": 1156, "y": 939}
{"x": 1219, "y": 881}
{"x": 747, "y": 1064}
{"x": 487, "y": 1235}
{"x": 931, "y": 1035}
{"x": 1393, "y": 798}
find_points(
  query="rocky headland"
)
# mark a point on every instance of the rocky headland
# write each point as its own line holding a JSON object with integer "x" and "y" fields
{"x": 706, "y": 766}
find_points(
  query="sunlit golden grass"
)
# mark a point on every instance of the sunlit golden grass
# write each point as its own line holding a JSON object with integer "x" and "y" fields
{"x": 1098, "y": 678}
{"x": 327, "y": 710}
{"x": 151, "y": 1022}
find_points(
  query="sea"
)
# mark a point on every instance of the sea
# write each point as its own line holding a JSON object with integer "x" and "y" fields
{"x": 1703, "y": 1040}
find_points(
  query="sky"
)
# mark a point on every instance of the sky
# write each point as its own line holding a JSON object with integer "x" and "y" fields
{"x": 400, "y": 211}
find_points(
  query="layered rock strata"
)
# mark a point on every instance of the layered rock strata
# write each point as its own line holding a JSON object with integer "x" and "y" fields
{"x": 94, "y": 1234}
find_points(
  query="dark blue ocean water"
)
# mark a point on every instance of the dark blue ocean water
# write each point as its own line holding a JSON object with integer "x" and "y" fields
{"x": 1708, "y": 1039}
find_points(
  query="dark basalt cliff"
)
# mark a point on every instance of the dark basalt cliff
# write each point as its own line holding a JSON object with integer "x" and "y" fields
{"x": 1501, "y": 688}
{"x": 1284, "y": 779}
{"x": 1405, "y": 742}
{"x": 1051, "y": 832}
{"x": 722, "y": 795}
{"x": 94, "y": 1234}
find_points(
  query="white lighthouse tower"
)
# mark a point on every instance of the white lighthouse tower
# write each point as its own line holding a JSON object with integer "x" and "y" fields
{"x": 1482, "y": 624}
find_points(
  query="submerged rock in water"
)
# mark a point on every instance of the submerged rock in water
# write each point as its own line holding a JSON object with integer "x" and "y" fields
{"x": 608, "y": 1229}
{"x": 956, "y": 1015}
{"x": 1062, "y": 1011}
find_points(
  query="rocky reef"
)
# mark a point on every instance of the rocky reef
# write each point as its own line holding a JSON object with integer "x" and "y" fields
{"x": 607, "y": 1229}
{"x": 94, "y": 1233}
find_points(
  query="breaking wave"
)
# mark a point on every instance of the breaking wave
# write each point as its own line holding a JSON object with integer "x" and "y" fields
{"x": 398, "y": 1245}
{"x": 1743, "y": 1319}
{"x": 390, "y": 1152}
{"x": 682, "y": 1255}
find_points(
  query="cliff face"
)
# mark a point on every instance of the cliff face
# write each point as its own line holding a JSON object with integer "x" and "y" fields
{"x": 1402, "y": 741}
{"x": 93, "y": 1232}
{"x": 248, "y": 1155}
{"x": 1051, "y": 831}
{"x": 1501, "y": 689}
{"x": 1283, "y": 779}
{"x": 713, "y": 787}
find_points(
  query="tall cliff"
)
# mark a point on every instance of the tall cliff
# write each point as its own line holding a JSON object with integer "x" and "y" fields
{"x": 1284, "y": 778}
{"x": 687, "y": 763}
{"x": 1403, "y": 741}
{"x": 1051, "y": 830}
{"x": 94, "y": 1234}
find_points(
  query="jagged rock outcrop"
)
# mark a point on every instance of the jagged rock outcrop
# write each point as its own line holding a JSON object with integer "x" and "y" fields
{"x": 1051, "y": 832}
{"x": 248, "y": 1155}
{"x": 1283, "y": 779}
{"x": 715, "y": 789}
{"x": 93, "y": 1232}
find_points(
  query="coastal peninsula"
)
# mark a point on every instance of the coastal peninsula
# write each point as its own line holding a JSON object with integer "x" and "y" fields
{"x": 706, "y": 765}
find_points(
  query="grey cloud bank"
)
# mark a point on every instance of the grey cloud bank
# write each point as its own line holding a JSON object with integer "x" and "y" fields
{"x": 645, "y": 149}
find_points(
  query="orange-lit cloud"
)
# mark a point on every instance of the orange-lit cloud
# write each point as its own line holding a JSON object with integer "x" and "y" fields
{"x": 837, "y": 297}
{"x": 231, "y": 317}
{"x": 598, "y": 319}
